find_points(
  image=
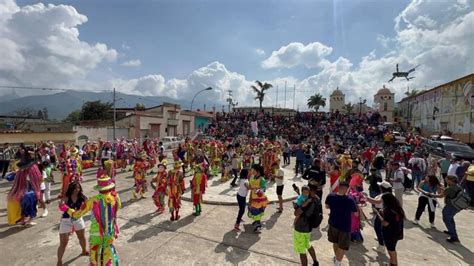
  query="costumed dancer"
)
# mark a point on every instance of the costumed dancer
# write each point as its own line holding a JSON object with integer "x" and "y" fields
{"x": 226, "y": 168}
{"x": 69, "y": 171}
{"x": 139, "y": 174}
{"x": 176, "y": 189}
{"x": 26, "y": 191}
{"x": 267, "y": 160}
{"x": 258, "y": 200}
{"x": 198, "y": 188}
{"x": 161, "y": 180}
{"x": 355, "y": 192}
{"x": 215, "y": 159}
{"x": 104, "y": 228}
{"x": 107, "y": 168}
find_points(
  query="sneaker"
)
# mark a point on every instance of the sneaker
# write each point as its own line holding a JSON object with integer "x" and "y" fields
{"x": 236, "y": 228}
{"x": 416, "y": 221}
{"x": 379, "y": 248}
{"x": 452, "y": 240}
{"x": 432, "y": 225}
{"x": 45, "y": 213}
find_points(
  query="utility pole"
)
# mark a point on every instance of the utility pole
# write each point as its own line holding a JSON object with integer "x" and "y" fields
{"x": 229, "y": 99}
{"x": 294, "y": 96}
{"x": 115, "y": 117}
{"x": 277, "y": 98}
{"x": 285, "y": 93}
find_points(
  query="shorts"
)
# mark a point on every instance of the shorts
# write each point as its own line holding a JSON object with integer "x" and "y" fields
{"x": 67, "y": 224}
{"x": 280, "y": 190}
{"x": 301, "y": 242}
{"x": 341, "y": 238}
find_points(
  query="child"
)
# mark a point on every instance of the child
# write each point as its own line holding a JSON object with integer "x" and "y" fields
{"x": 198, "y": 188}
{"x": 278, "y": 174}
{"x": 236, "y": 162}
{"x": 302, "y": 200}
{"x": 161, "y": 181}
{"x": 225, "y": 168}
{"x": 242, "y": 197}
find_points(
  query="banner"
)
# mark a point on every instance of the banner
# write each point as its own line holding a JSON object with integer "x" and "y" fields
{"x": 254, "y": 126}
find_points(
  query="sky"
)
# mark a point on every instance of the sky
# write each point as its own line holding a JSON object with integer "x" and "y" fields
{"x": 176, "y": 48}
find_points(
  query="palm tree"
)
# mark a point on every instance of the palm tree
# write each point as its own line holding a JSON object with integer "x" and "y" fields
{"x": 348, "y": 108}
{"x": 260, "y": 91}
{"x": 316, "y": 101}
{"x": 411, "y": 93}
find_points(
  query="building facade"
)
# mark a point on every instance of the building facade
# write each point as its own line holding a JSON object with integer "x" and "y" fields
{"x": 384, "y": 103}
{"x": 448, "y": 107}
{"x": 337, "y": 100}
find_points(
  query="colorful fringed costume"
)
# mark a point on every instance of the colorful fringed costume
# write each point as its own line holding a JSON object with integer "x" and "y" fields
{"x": 71, "y": 171}
{"x": 139, "y": 174}
{"x": 176, "y": 189}
{"x": 360, "y": 200}
{"x": 104, "y": 229}
{"x": 198, "y": 188}
{"x": 161, "y": 181}
{"x": 23, "y": 197}
{"x": 258, "y": 200}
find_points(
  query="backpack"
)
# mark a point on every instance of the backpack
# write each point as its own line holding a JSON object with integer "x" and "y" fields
{"x": 461, "y": 200}
{"x": 317, "y": 215}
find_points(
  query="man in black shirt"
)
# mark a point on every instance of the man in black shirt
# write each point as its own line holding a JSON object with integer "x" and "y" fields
{"x": 316, "y": 177}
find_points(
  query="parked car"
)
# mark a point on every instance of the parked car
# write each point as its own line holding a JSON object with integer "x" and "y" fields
{"x": 398, "y": 138}
{"x": 441, "y": 138}
{"x": 171, "y": 142}
{"x": 457, "y": 149}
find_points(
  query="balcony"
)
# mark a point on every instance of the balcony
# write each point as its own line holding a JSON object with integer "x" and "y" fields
{"x": 172, "y": 122}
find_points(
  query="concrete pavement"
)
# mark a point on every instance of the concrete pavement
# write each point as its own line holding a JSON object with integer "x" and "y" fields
{"x": 150, "y": 239}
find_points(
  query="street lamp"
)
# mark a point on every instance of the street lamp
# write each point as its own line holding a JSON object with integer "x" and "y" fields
{"x": 192, "y": 102}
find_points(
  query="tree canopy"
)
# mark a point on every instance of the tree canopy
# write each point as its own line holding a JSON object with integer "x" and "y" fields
{"x": 316, "y": 101}
{"x": 260, "y": 91}
{"x": 96, "y": 110}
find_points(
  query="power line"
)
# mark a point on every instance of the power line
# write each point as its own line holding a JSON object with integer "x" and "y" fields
{"x": 47, "y": 88}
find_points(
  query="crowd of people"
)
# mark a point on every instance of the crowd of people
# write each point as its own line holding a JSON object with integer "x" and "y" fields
{"x": 339, "y": 153}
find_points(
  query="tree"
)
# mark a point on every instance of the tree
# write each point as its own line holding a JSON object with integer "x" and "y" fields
{"x": 140, "y": 106}
{"x": 348, "y": 108}
{"x": 74, "y": 117}
{"x": 45, "y": 113}
{"x": 40, "y": 114}
{"x": 316, "y": 101}
{"x": 96, "y": 110}
{"x": 260, "y": 91}
{"x": 412, "y": 92}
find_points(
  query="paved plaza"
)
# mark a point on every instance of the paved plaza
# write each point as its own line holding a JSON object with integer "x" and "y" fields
{"x": 150, "y": 239}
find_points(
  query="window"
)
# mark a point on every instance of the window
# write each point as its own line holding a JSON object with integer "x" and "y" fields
{"x": 385, "y": 106}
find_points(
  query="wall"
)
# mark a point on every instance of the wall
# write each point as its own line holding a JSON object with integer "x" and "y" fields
{"x": 36, "y": 137}
{"x": 92, "y": 133}
{"x": 453, "y": 100}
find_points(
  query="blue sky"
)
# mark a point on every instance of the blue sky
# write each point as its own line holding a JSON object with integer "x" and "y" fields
{"x": 176, "y": 48}
{"x": 174, "y": 38}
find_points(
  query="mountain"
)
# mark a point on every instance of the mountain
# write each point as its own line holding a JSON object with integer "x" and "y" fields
{"x": 59, "y": 105}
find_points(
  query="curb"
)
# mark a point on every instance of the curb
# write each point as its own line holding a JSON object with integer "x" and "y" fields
{"x": 223, "y": 203}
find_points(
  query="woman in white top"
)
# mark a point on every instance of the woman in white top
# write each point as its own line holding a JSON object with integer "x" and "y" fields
{"x": 242, "y": 197}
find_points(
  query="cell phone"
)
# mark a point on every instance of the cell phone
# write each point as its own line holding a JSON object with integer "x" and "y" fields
{"x": 295, "y": 187}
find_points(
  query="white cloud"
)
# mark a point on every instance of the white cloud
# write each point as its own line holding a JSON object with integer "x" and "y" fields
{"x": 125, "y": 47}
{"x": 260, "y": 52}
{"x": 297, "y": 53}
{"x": 132, "y": 63}
{"x": 40, "y": 45}
{"x": 437, "y": 35}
